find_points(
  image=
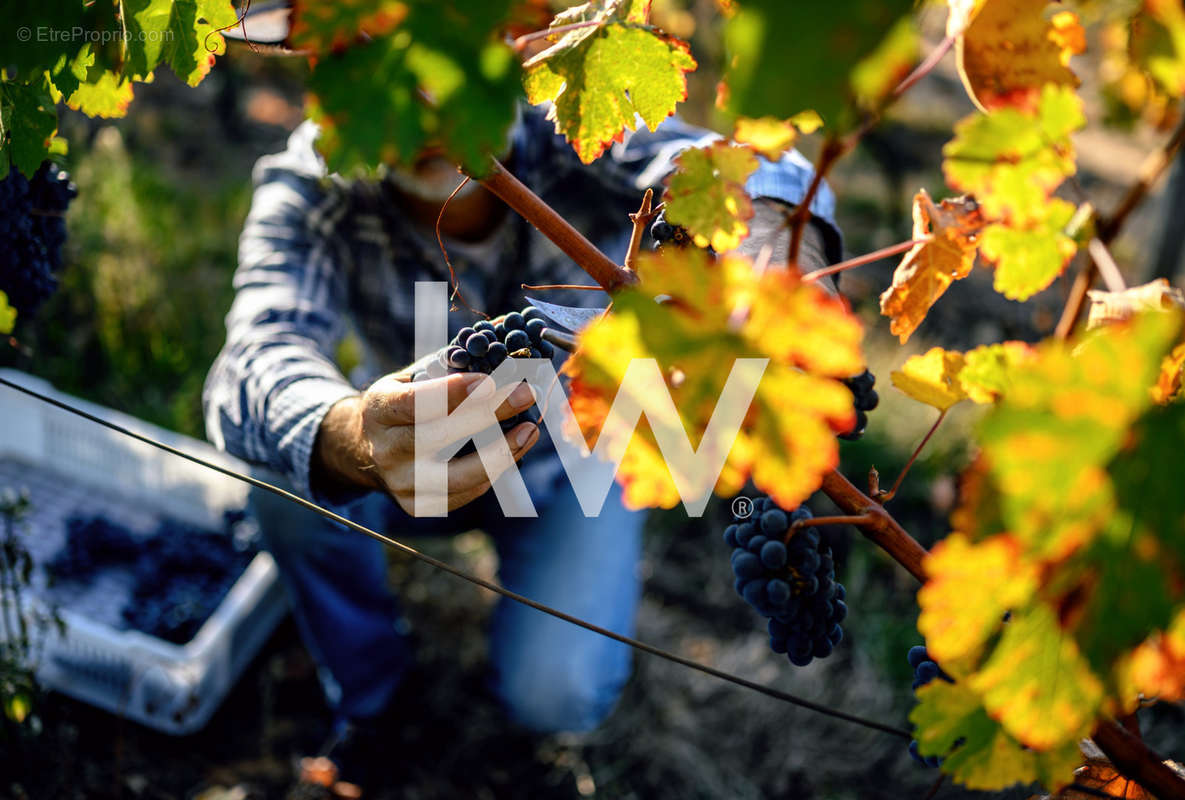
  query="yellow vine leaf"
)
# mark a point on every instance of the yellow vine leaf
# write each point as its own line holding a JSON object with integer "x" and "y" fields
{"x": 1011, "y": 49}
{"x": 108, "y": 96}
{"x": 952, "y": 228}
{"x": 770, "y": 136}
{"x": 932, "y": 378}
{"x": 7, "y": 315}
{"x": 986, "y": 756}
{"x": 968, "y": 589}
{"x": 1028, "y": 258}
{"x": 1157, "y": 44}
{"x": 604, "y": 76}
{"x": 1012, "y": 160}
{"x": 716, "y": 311}
{"x": 706, "y": 194}
{"x": 986, "y": 375}
{"x": 1037, "y": 684}
{"x": 1157, "y": 667}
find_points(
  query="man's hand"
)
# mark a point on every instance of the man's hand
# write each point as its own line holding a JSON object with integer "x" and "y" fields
{"x": 368, "y": 441}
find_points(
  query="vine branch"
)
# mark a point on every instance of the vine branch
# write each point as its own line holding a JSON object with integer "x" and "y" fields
{"x": 880, "y": 527}
{"x": 867, "y": 258}
{"x": 572, "y": 242}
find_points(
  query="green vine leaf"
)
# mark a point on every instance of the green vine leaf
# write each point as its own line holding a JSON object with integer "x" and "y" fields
{"x": 180, "y": 33}
{"x": 7, "y": 315}
{"x": 601, "y": 76}
{"x": 706, "y": 194}
{"x": 1013, "y": 160}
{"x": 442, "y": 78}
{"x": 1028, "y": 258}
{"x": 987, "y": 371}
{"x": 28, "y": 121}
{"x": 767, "y": 75}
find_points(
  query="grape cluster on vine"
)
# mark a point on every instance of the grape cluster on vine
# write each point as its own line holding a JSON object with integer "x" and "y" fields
{"x": 32, "y": 231}
{"x": 925, "y": 669}
{"x": 788, "y": 575}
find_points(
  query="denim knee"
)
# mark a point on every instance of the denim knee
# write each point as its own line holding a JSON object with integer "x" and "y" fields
{"x": 563, "y": 692}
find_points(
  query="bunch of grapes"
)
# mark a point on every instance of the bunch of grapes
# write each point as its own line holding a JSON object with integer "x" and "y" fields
{"x": 92, "y": 543}
{"x": 664, "y": 233}
{"x": 788, "y": 576}
{"x": 864, "y": 398}
{"x": 925, "y": 670}
{"x": 32, "y": 231}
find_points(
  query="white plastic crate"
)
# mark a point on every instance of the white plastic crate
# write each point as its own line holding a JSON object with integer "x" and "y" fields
{"x": 70, "y": 465}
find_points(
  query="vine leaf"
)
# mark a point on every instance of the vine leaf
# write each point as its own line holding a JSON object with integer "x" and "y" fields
{"x": 770, "y": 136}
{"x": 320, "y": 27}
{"x": 443, "y": 78}
{"x": 951, "y": 229}
{"x": 876, "y": 77}
{"x": 107, "y": 96}
{"x": 7, "y": 315}
{"x": 932, "y": 378}
{"x": 1010, "y": 49}
{"x": 1157, "y": 667}
{"x": 987, "y": 372}
{"x": 181, "y": 33}
{"x": 601, "y": 76}
{"x": 1171, "y": 380}
{"x": 832, "y": 39}
{"x": 715, "y": 312}
{"x": 706, "y": 194}
{"x": 1157, "y": 44}
{"x": 1028, "y": 258}
{"x": 968, "y": 589}
{"x": 986, "y": 757}
{"x": 28, "y": 122}
{"x": 1012, "y": 160}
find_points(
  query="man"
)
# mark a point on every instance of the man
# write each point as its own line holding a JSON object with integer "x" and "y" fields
{"x": 320, "y": 255}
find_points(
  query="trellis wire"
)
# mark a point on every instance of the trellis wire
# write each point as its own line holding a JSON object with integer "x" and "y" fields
{"x": 777, "y": 694}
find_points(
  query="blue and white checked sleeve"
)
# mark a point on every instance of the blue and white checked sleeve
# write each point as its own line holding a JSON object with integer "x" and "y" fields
{"x": 275, "y": 378}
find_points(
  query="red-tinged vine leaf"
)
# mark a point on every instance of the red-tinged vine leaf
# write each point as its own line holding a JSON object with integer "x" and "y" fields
{"x": 1157, "y": 667}
{"x": 986, "y": 374}
{"x": 718, "y": 311}
{"x": 875, "y": 77}
{"x": 1011, "y": 49}
{"x": 1171, "y": 380}
{"x": 930, "y": 267}
{"x": 770, "y": 136}
{"x": 604, "y": 76}
{"x": 444, "y": 79}
{"x": 829, "y": 41}
{"x": 968, "y": 589}
{"x": 932, "y": 378}
{"x": 1012, "y": 160}
{"x": 108, "y": 96}
{"x": 7, "y": 315}
{"x": 1037, "y": 684}
{"x": 1157, "y": 44}
{"x": 706, "y": 194}
{"x": 28, "y": 121}
{"x": 180, "y": 33}
{"x": 1064, "y": 417}
{"x": 986, "y": 757}
{"x": 1028, "y": 258}
{"x": 321, "y": 27}
{"x": 1107, "y": 307}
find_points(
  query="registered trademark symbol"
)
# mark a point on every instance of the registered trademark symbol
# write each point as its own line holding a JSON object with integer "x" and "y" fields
{"x": 742, "y": 507}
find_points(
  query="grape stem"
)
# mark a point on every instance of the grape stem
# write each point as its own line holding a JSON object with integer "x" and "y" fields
{"x": 810, "y": 522}
{"x": 884, "y": 497}
{"x": 641, "y": 220}
{"x": 867, "y": 258}
{"x": 550, "y": 286}
{"x": 560, "y": 340}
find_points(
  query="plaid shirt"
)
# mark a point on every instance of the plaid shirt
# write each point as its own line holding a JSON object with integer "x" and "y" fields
{"x": 320, "y": 256}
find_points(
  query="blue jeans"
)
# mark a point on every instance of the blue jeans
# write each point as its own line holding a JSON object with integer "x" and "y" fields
{"x": 550, "y": 674}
